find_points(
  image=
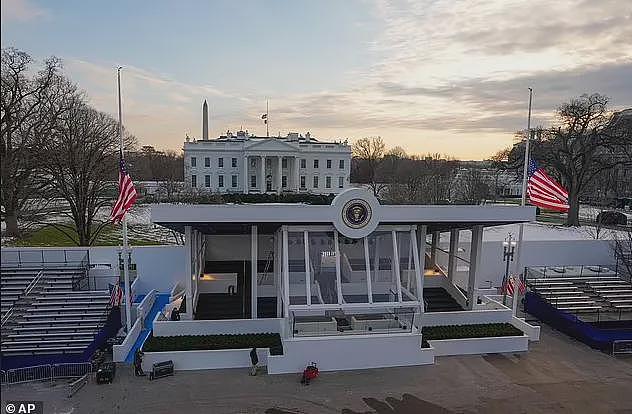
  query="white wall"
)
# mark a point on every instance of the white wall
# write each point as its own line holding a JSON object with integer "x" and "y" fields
{"x": 474, "y": 346}
{"x": 217, "y": 327}
{"x": 473, "y": 317}
{"x": 535, "y": 253}
{"x": 347, "y": 352}
{"x": 215, "y": 359}
{"x": 159, "y": 267}
{"x": 120, "y": 352}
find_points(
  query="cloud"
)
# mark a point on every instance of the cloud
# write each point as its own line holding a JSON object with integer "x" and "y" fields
{"x": 21, "y": 11}
{"x": 445, "y": 76}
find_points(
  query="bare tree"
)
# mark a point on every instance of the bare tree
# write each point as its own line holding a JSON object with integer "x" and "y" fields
{"x": 82, "y": 162}
{"x": 30, "y": 108}
{"x": 369, "y": 153}
{"x": 471, "y": 186}
{"x": 622, "y": 247}
{"x": 587, "y": 140}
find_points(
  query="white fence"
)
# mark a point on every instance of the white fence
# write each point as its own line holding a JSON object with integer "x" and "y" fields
{"x": 120, "y": 352}
{"x": 45, "y": 372}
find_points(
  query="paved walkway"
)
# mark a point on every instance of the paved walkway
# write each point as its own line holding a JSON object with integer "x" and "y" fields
{"x": 558, "y": 375}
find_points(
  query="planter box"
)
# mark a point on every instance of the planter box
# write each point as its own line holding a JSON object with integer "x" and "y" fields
{"x": 473, "y": 346}
{"x": 208, "y": 359}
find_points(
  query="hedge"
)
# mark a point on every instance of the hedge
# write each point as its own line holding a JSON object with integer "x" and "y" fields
{"x": 208, "y": 342}
{"x": 486, "y": 330}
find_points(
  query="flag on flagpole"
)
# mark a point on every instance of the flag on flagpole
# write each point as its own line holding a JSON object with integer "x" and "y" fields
{"x": 116, "y": 295}
{"x": 544, "y": 191}
{"x": 127, "y": 194}
{"x": 508, "y": 287}
{"x": 265, "y": 118}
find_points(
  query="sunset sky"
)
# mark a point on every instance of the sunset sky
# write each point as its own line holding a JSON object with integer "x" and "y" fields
{"x": 428, "y": 75}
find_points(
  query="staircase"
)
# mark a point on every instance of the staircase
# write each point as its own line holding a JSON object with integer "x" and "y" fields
{"x": 439, "y": 300}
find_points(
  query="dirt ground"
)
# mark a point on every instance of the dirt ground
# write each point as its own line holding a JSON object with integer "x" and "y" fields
{"x": 558, "y": 375}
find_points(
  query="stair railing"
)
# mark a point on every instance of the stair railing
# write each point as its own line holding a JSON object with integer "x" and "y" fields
{"x": 23, "y": 298}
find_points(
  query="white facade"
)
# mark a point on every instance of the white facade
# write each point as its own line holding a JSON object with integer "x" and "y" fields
{"x": 242, "y": 163}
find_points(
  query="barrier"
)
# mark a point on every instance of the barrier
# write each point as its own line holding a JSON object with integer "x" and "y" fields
{"x": 45, "y": 372}
{"x": 75, "y": 386}
{"x": 120, "y": 352}
{"x": 621, "y": 347}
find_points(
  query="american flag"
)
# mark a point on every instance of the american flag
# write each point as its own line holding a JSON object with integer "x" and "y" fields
{"x": 545, "y": 192}
{"x": 116, "y": 295}
{"x": 509, "y": 285}
{"x": 127, "y": 194}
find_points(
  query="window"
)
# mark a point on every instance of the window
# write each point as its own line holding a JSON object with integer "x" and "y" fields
{"x": 341, "y": 182}
{"x": 315, "y": 181}
{"x": 315, "y": 163}
{"x": 233, "y": 181}
{"x": 302, "y": 181}
{"x": 283, "y": 162}
{"x": 194, "y": 180}
{"x": 253, "y": 181}
{"x": 193, "y": 162}
{"x": 207, "y": 162}
{"x": 341, "y": 164}
{"x": 284, "y": 181}
{"x": 303, "y": 163}
{"x": 220, "y": 181}
{"x": 328, "y": 163}
{"x": 207, "y": 181}
{"x": 234, "y": 162}
{"x": 328, "y": 182}
{"x": 220, "y": 162}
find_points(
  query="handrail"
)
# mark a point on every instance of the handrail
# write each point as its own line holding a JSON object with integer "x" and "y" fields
{"x": 29, "y": 288}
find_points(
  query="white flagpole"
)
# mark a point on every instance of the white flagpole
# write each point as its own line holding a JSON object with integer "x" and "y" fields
{"x": 523, "y": 202}
{"x": 267, "y": 120}
{"x": 128, "y": 305}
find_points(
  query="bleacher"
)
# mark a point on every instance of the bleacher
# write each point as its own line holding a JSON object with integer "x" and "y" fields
{"x": 582, "y": 289}
{"x": 44, "y": 311}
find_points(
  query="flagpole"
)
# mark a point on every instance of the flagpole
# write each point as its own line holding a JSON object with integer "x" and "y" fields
{"x": 523, "y": 202}
{"x": 128, "y": 312}
{"x": 267, "y": 120}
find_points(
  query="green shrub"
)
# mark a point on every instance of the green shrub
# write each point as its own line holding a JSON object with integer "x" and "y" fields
{"x": 208, "y": 342}
{"x": 487, "y": 330}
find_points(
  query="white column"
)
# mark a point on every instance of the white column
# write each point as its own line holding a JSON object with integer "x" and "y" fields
{"x": 398, "y": 280}
{"x": 245, "y": 174}
{"x": 421, "y": 246}
{"x": 308, "y": 269}
{"x": 367, "y": 264}
{"x": 253, "y": 271}
{"x": 278, "y": 247}
{"x": 454, "y": 249}
{"x": 475, "y": 261}
{"x": 433, "y": 247}
{"x": 338, "y": 277}
{"x": 286, "y": 275}
{"x": 297, "y": 177}
{"x": 262, "y": 182}
{"x": 188, "y": 271}
{"x": 279, "y": 174}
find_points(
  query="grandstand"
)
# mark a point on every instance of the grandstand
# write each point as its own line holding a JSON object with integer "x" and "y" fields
{"x": 595, "y": 291}
{"x": 48, "y": 311}
{"x": 590, "y": 303}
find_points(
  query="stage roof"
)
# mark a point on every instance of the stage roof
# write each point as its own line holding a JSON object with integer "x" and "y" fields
{"x": 237, "y": 219}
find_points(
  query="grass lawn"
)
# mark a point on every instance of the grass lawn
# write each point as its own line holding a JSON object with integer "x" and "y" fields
{"x": 51, "y": 237}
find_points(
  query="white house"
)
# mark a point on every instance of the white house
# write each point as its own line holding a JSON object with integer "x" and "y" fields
{"x": 245, "y": 163}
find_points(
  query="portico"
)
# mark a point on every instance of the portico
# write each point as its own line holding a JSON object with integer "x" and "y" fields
{"x": 271, "y": 172}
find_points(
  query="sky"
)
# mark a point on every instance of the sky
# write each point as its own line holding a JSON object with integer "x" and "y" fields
{"x": 431, "y": 76}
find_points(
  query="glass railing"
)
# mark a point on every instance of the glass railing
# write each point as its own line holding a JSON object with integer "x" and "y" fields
{"x": 347, "y": 323}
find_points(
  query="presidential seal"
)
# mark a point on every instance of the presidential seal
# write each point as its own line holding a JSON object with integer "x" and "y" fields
{"x": 356, "y": 213}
